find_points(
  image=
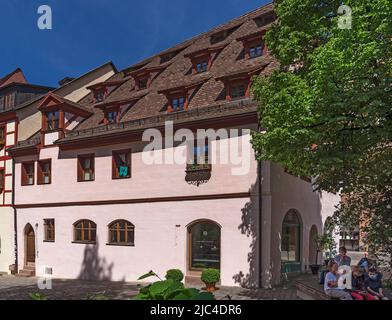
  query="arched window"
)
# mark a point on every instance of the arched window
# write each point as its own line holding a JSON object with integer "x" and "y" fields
{"x": 85, "y": 231}
{"x": 291, "y": 242}
{"x": 204, "y": 245}
{"x": 122, "y": 232}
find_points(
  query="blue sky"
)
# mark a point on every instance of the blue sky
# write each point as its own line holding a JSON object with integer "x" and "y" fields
{"x": 88, "y": 33}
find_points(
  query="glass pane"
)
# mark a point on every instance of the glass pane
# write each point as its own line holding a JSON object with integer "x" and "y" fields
{"x": 130, "y": 237}
{"x": 205, "y": 246}
{"x": 78, "y": 235}
{"x": 93, "y": 235}
{"x": 46, "y": 178}
{"x": 122, "y": 236}
{"x": 113, "y": 236}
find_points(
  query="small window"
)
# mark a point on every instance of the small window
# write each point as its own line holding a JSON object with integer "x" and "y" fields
{"x": 142, "y": 83}
{"x": 44, "y": 172}
{"x": 178, "y": 104}
{"x": 2, "y": 180}
{"x": 86, "y": 168}
{"x": 122, "y": 232}
{"x": 238, "y": 91}
{"x": 49, "y": 230}
{"x": 28, "y": 174}
{"x": 112, "y": 116}
{"x": 52, "y": 121}
{"x": 256, "y": 51}
{"x": 121, "y": 164}
{"x": 2, "y": 136}
{"x": 99, "y": 95}
{"x": 85, "y": 231}
{"x": 199, "y": 156}
{"x": 201, "y": 67}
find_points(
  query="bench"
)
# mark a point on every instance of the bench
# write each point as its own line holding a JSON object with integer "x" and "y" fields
{"x": 311, "y": 290}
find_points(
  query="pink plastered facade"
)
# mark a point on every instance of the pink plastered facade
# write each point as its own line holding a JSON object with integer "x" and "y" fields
{"x": 162, "y": 206}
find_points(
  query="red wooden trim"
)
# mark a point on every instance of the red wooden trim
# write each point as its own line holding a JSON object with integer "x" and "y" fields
{"x": 141, "y": 200}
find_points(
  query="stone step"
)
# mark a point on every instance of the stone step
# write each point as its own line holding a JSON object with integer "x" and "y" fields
{"x": 29, "y": 268}
{"x": 26, "y": 273}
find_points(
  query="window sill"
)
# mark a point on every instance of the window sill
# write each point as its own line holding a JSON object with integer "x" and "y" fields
{"x": 86, "y": 180}
{"x": 83, "y": 242}
{"x": 120, "y": 178}
{"x": 49, "y": 241}
{"x": 44, "y": 184}
{"x": 27, "y": 185}
{"x": 120, "y": 245}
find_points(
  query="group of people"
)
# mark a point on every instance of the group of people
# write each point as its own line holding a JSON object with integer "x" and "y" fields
{"x": 366, "y": 280}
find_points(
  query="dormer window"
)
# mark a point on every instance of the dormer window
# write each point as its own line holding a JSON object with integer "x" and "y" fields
{"x": 238, "y": 90}
{"x": 201, "y": 66}
{"x": 112, "y": 116}
{"x": 256, "y": 51}
{"x": 99, "y": 95}
{"x": 142, "y": 83}
{"x": 178, "y": 104}
{"x": 254, "y": 45}
{"x": 52, "y": 120}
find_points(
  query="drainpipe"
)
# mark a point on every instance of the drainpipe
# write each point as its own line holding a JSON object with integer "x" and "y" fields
{"x": 15, "y": 217}
{"x": 260, "y": 171}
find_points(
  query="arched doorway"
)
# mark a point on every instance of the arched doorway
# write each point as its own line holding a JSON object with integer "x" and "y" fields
{"x": 29, "y": 244}
{"x": 291, "y": 242}
{"x": 204, "y": 245}
{"x": 313, "y": 255}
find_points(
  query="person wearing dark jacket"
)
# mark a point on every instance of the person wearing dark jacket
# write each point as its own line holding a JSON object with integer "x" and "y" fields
{"x": 359, "y": 291}
{"x": 373, "y": 283}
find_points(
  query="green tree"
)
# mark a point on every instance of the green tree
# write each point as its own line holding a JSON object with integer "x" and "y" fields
{"x": 327, "y": 110}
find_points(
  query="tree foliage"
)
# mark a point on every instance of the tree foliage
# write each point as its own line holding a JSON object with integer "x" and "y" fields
{"x": 327, "y": 110}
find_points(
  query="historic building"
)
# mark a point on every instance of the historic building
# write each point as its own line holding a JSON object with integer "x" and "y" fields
{"x": 91, "y": 205}
{"x": 20, "y": 120}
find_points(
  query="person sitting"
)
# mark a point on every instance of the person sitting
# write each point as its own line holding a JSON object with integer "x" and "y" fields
{"x": 331, "y": 288}
{"x": 365, "y": 263}
{"x": 373, "y": 284}
{"x": 342, "y": 259}
{"x": 359, "y": 291}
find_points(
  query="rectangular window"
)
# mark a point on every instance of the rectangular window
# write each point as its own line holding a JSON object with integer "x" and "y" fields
{"x": 178, "y": 104}
{"x": 112, "y": 116}
{"x": 2, "y": 179}
{"x": 86, "y": 168}
{"x": 142, "y": 83}
{"x": 256, "y": 51}
{"x": 238, "y": 91}
{"x": 49, "y": 230}
{"x": 52, "y": 120}
{"x": 201, "y": 67}
{"x": 121, "y": 164}
{"x": 44, "y": 175}
{"x": 199, "y": 156}
{"x": 99, "y": 95}
{"x": 2, "y": 136}
{"x": 28, "y": 174}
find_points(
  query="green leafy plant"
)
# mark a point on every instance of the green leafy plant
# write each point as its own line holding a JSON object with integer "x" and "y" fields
{"x": 38, "y": 296}
{"x": 210, "y": 276}
{"x": 170, "y": 289}
{"x": 174, "y": 274}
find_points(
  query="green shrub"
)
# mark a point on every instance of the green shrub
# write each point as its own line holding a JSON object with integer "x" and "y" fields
{"x": 174, "y": 274}
{"x": 170, "y": 290}
{"x": 38, "y": 296}
{"x": 210, "y": 276}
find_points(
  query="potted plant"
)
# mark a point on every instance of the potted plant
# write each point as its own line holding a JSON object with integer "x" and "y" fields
{"x": 174, "y": 274}
{"x": 210, "y": 277}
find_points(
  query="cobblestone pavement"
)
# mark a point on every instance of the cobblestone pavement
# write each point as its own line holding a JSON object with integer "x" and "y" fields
{"x": 15, "y": 288}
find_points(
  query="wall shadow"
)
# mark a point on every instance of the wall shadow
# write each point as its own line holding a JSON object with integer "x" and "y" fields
{"x": 93, "y": 266}
{"x": 249, "y": 227}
